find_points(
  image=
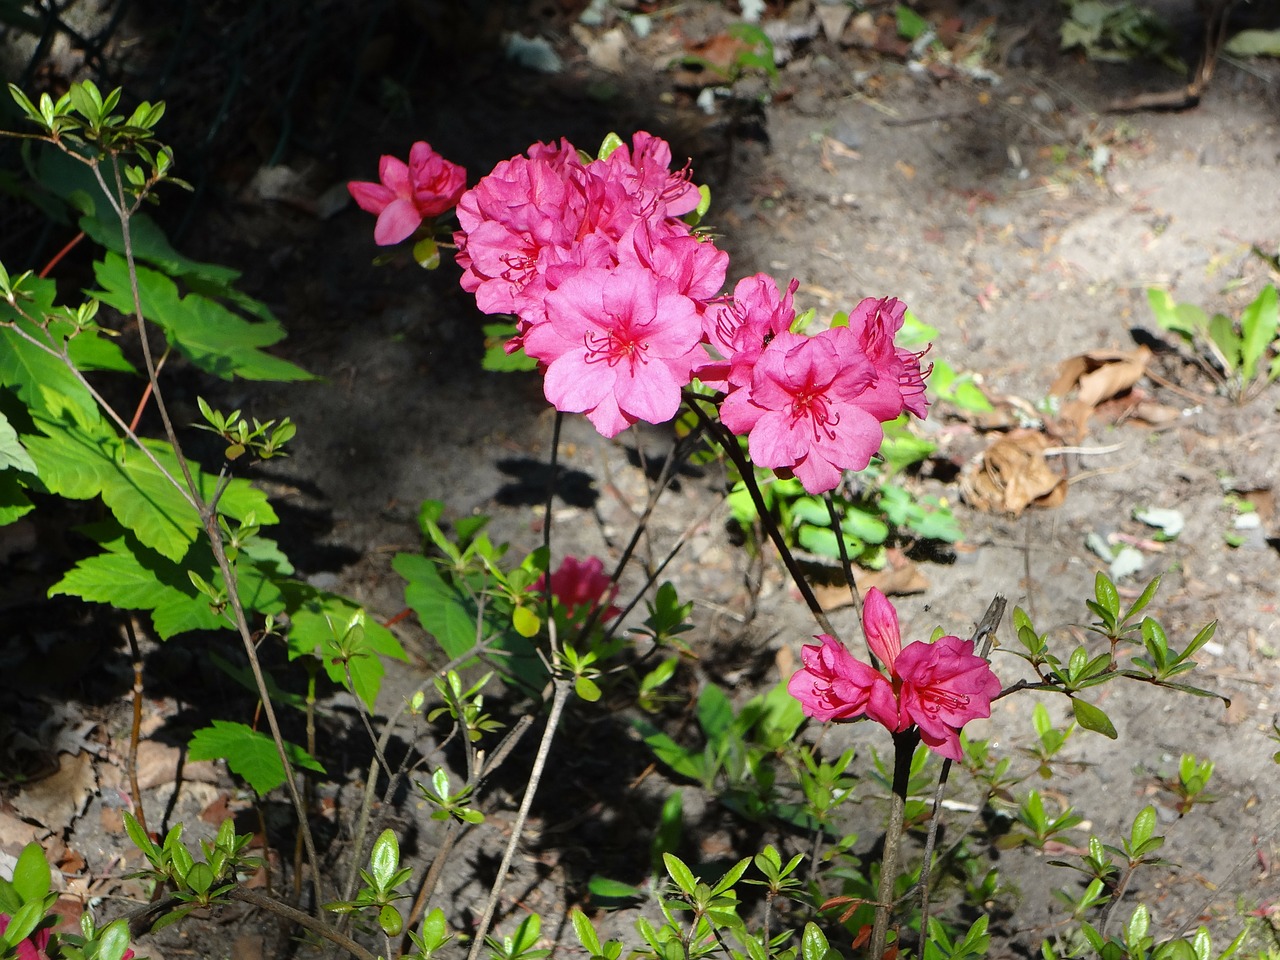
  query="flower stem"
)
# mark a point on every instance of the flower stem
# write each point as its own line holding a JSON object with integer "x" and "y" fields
{"x": 729, "y": 443}
{"x": 561, "y": 687}
{"x": 904, "y": 746}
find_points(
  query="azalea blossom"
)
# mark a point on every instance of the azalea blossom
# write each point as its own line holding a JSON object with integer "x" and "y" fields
{"x": 738, "y": 328}
{"x": 618, "y": 346}
{"x": 539, "y": 220}
{"x": 582, "y": 583}
{"x": 899, "y": 381}
{"x": 935, "y": 687}
{"x": 803, "y": 408}
{"x": 426, "y": 186}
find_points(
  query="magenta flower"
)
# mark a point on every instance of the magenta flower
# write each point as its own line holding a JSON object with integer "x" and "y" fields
{"x": 738, "y": 328}
{"x": 582, "y": 583}
{"x": 539, "y": 220}
{"x": 835, "y": 685}
{"x": 426, "y": 186}
{"x": 619, "y": 346}
{"x": 899, "y": 382}
{"x": 936, "y": 687}
{"x": 803, "y": 408}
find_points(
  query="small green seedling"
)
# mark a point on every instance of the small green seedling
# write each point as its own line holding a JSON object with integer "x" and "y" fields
{"x": 1241, "y": 356}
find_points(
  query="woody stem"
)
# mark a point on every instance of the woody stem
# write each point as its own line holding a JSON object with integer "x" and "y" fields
{"x": 904, "y": 745}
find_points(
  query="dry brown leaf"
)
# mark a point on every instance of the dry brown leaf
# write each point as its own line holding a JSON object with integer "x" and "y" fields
{"x": 158, "y": 765}
{"x": 58, "y": 800}
{"x": 894, "y": 580}
{"x": 1096, "y": 376}
{"x": 16, "y": 833}
{"x": 1012, "y": 474}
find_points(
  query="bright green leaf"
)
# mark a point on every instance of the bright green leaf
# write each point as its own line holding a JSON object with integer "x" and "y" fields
{"x": 250, "y": 754}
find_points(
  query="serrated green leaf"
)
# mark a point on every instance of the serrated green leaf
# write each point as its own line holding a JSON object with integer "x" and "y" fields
{"x": 250, "y": 754}
{"x": 12, "y": 454}
{"x": 14, "y": 502}
{"x": 210, "y": 335}
{"x": 131, "y": 577}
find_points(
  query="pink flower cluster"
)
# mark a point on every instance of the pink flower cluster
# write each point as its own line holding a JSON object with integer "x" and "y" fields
{"x": 580, "y": 585}
{"x": 607, "y": 282}
{"x": 425, "y": 187}
{"x": 812, "y": 406}
{"x": 937, "y": 687}
{"x": 619, "y": 302}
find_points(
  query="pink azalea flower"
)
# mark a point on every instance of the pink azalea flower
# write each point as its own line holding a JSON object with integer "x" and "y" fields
{"x": 803, "y": 408}
{"x": 899, "y": 382}
{"x": 619, "y": 346}
{"x": 738, "y": 328}
{"x": 538, "y": 220}
{"x": 426, "y": 186}
{"x": 936, "y": 687}
{"x": 581, "y": 583}
{"x": 646, "y": 167}
{"x": 835, "y": 685}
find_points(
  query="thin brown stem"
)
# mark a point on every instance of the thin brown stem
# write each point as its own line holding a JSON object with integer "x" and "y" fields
{"x": 845, "y": 565}
{"x": 561, "y": 687}
{"x": 729, "y": 443}
{"x": 135, "y": 730}
{"x": 305, "y": 920}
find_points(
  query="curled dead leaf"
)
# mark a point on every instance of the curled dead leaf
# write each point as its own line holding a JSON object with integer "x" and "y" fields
{"x": 1095, "y": 376}
{"x": 1012, "y": 474}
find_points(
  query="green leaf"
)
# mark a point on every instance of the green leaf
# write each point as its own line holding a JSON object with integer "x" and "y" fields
{"x": 1259, "y": 324}
{"x": 686, "y": 763}
{"x": 1107, "y": 596}
{"x": 613, "y": 889}
{"x": 715, "y": 712}
{"x": 681, "y": 874}
{"x": 496, "y": 357}
{"x": 1254, "y": 43}
{"x": 14, "y": 502}
{"x": 586, "y": 932}
{"x": 31, "y": 874}
{"x": 36, "y": 375}
{"x": 12, "y": 453}
{"x": 444, "y": 612}
{"x": 250, "y": 754}
{"x": 131, "y": 577}
{"x": 311, "y": 612}
{"x": 813, "y": 943}
{"x": 384, "y": 860}
{"x": 1144, "y": 825}
{"x": 587, "y": 689}
{"x": 209, "y": 334}
{"x": 113, "y": 941}
{"x": 910, "y": 26}
{"x": 1093, "y": 718}
{"x": 24, "y": 921}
